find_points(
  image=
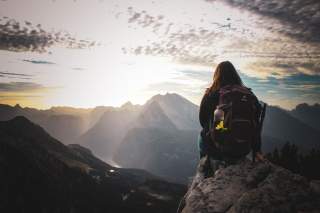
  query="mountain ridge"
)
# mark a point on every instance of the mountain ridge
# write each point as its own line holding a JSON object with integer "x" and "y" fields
{"x": 41, "y": 174}
{"x": 110, "y": 127}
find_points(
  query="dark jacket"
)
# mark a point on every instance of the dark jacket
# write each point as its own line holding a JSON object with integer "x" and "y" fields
{"x": 207, "y": 107}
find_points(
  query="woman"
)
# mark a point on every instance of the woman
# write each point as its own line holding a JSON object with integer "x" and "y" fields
{"x": 210, "y": 158}
{"x": 225, "y": 74}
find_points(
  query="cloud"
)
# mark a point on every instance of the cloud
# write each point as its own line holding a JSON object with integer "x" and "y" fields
{"x": 281, "y": 69}
{"x": 145, "y": 20}
{"x": 78, "y": 68}
{"x": 18, "y": 96}
{"x": 20, "y": 87}
{"x": 12, "y": 75}
{"x": 16, "y": 36}
{"x": 24, "y": 93}
{"x": 288, "y": 91}
{"x": 257, "y": 37}
{"x": 15, "y": 74}
{"x": 39, "y": 62}
{"x": 301, "y": 17}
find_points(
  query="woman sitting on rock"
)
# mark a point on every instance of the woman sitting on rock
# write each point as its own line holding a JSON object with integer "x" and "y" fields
{"x": 230, "y": 116}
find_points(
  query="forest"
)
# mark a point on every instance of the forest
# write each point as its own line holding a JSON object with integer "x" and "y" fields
{"x": 289, "y": 157}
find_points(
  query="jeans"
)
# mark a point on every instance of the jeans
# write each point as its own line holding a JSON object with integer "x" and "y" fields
{"x": 201, "y": 146}
{"x": 215, "y": 158}
{"x": 204, "y": 147}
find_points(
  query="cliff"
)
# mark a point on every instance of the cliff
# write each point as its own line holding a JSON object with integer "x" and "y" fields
{"x": 251, "y": 187}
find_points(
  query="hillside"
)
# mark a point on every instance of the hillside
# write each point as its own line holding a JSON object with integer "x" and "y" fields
{"x": 162, "y": 120}
{"x": 40, "y": 174}
{"x": 308, "y": 114}
{"x": 279, "y": 124}
{"x": 63, "y": 123}
{"x": 105, "y": 136}
{"x": 182, "y": 112}
{"x": 169, "y": 154}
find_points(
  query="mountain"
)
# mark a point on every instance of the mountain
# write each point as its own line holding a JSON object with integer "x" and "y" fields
{"x": 40, "y": 174}
{"x": 96, "y": 113}
{"x": 169, "y": 154}
{"x": 107, "y": 129}
{"x": 248, "y": 187}
{"x": 152, "y": 138}
{"x": 269, "y": 143}
{"x": 308, "y": 114}
{"x": 129, "y": 106}
{"x": 161, "y": 151}
{"x": 104, "y": 137}
{"x": 64, "y": 127}
{"x": 64, "y": 123}
{"x": 153, "y": 116}
{"x": 182, "y": 112}
{"x": 279, "y": 124}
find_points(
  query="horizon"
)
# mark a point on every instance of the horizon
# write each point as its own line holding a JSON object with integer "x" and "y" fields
{"x": 83, "y": 57}
{"x": 128, "y": 101}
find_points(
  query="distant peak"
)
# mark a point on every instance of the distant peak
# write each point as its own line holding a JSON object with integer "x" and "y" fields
{"x": 20, "y": 121}
{"x": 20, "y": 118}
{"x": 166, "y": 96}
{"x": 127, "y": 104}
{"x": 303, "y": 106}
{"x": 17, "y": 106}
{"x": 153, "y": 105}
{"x": 170, "y": 99}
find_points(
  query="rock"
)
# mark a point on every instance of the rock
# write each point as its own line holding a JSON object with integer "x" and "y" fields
{"x": 250, "y": 187}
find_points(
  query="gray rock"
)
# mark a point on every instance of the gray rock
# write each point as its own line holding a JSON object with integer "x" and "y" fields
{"x": 250, "y": 187}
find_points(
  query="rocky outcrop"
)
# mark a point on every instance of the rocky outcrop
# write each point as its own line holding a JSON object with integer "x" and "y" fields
{"x": 251, "y": 187}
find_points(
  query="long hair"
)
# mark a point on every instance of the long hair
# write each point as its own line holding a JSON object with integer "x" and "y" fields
{"x": 225, "y": 74}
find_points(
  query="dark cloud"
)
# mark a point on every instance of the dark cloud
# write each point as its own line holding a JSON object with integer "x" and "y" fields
{"x": 20, "y": 87}
{"x": 263, "y": 42}
{"x": 78, "y": 68}
{"x": 302, "y": 17}
{"x": 16, "y": 36}
{"x": 281, "y": 69}
{"x": 12, "y": 75}
{"x": 19, "y": 96}
{"x": 185, "y": 46}
{"x": 39, "y": 62}
{"x": 145, "y": 20}
{"x": 288, "y": 91}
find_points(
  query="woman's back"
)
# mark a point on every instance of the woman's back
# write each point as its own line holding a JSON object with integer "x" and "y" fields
{"x": 226, "y": 80}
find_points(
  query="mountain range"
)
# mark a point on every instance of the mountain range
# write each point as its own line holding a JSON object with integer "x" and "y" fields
{"x": 160, "y": 136}
{"x": 308, "y": 114}
{"x": 40, "y": 174}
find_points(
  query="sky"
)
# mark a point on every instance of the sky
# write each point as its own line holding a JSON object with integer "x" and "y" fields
{"x": 87, "y": 53}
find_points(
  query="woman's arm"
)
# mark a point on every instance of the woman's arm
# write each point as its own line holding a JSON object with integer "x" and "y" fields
{"x": 204, "y": 112}
{"x": 208, "y": 104}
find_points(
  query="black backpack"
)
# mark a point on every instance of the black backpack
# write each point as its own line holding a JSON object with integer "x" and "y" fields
{"x": 235, "y": 136}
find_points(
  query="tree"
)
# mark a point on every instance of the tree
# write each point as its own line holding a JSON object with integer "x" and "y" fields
{"x": 290, "y": 158}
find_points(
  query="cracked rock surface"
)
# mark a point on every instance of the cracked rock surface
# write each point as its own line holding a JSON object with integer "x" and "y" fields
{"x": 251, "y": 187}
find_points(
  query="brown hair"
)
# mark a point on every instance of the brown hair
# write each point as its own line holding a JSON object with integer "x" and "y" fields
{"x": 225, "y": 74}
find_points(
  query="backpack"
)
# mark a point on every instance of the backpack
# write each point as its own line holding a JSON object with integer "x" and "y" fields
{"x": 235, "y": 135}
